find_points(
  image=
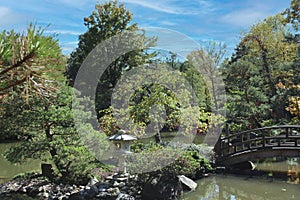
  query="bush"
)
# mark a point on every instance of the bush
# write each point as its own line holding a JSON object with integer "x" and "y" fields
{"x": 179, "y": 159}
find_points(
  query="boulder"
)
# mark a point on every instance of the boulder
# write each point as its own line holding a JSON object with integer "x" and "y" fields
{"x": 122, "y": 196}
{"x": 162, "y": 186}
{"x": 187, "y": 182}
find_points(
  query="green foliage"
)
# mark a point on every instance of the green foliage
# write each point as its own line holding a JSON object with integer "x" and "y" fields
{"x": 292, "y": 14}
{"x": 49, "y": 128}
{"x": 29, "y": 62}
{"x": 107, "y": 122}
{"x": 137, "y": 147}
{"x": 259, "y": 76}
{"x": 188, "y": 164}
{"x": 176, "y": 159}
{"x": 148, "y": 96}
{"x": 108, "y": 19}
{"x": 199, "y": 86}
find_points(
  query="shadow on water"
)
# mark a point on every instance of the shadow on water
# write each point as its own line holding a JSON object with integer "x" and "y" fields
{"x": 15, "y": 197}
{"x": 234, "y": 188}
{"x": 9, "y": 170}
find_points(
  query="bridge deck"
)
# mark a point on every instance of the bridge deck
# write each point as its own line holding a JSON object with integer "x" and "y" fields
{"x": 259, "y": 143}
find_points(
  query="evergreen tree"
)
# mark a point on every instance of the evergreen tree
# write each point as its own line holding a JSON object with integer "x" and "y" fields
{"x": 261, "y": 63}
{"x": 46, "y": 126}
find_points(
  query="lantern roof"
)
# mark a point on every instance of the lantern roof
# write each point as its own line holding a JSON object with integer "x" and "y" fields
{"x": 122, "y": 137}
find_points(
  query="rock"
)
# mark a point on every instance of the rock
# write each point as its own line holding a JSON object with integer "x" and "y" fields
{"x": 113, "y": 190}
{"x": 122, "y": 184}
{"x": 124, "y": 189}
{"x": 122, "y": 179}
{"x": 162, "y": 186}
{"x": 125, "y": 197}
{"x": 109, "y": 178}
{"x": 93, "y": 183}
{"x": 76, "y": 196}
{"x": 46, "y": 195}
{"x": 44, "y": 189}
{"x": 102, "y": 194}
{"x": 220, "y": 169}
{"x": 116, "y": 184}
{"x": 102, "y": 189}
{"x": 188, "y": 182}
{"x": 106, "y": 196}
{"x": 124, "y": 175}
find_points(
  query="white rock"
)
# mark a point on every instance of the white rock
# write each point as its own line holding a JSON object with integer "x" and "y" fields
{"x": 116, "y": 184}
{"x": 187, "y": 181}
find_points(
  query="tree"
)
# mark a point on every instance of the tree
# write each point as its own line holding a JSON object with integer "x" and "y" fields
{"x": 49, "y": 128}
{"x": 32, "y": 65}
{"x": 262, "y": 61}
{"x": 29, "y": 62}
{"x": 292, "y": 85}
{"x": 206, "y": 62}
{"x": 154, "y": 98}
{"x": 109, "y": 19}
{"x": 293, "y": 14}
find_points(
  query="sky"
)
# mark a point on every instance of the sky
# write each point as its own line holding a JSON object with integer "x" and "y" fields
{"x": 201, "y": 20}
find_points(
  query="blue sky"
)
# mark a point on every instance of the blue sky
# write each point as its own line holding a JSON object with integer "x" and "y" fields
{"x": 202, "y": 20}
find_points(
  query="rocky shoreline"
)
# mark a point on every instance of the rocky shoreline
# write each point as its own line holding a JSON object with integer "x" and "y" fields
{"x": 117, "y": 186}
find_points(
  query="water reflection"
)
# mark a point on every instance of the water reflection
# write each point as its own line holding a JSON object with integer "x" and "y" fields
{"x": 288, "y": 167}
{"x": 241, "y": 188}
{"x": 8, "y": 170}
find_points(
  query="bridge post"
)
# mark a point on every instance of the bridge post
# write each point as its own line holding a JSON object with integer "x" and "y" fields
{"x": 218, "y": 147}
{"x": 287, "y": 132}
{"x": 227, "y": 130}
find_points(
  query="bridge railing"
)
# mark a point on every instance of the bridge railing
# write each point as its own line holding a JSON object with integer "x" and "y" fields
{"x": 285, "y": 136}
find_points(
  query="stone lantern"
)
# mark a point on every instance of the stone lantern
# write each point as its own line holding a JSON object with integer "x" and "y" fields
{"x": 122, "y": 141}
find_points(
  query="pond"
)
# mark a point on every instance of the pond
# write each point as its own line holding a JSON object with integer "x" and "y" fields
{"x": 228, "y": 187}
{"x": 225, "y": 187}
{"x": 8, "y": 170}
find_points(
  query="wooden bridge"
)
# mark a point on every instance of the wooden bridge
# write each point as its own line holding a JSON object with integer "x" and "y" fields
{"x": 267, "y": 142}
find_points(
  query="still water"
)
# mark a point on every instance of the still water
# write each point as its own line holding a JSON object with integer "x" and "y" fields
{"x": 227, "y": 187}
{"x": 8, "y": 170}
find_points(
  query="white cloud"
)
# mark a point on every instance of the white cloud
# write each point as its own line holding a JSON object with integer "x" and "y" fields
{"x": 8, "y": 17}
{"x": 152, "y": 5}
{"x": 80, "y": 4}
{"x": 68, "y": 47}
{"x": 168, "y": 23}
{"x": 63, "y": 32}
{"x": 70, "y": 43}
{"x": 248, "y": 12}
{"x": 191, "y": 7}
{"x": 4, "y": 12}
{"x": 245, "y": 17}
